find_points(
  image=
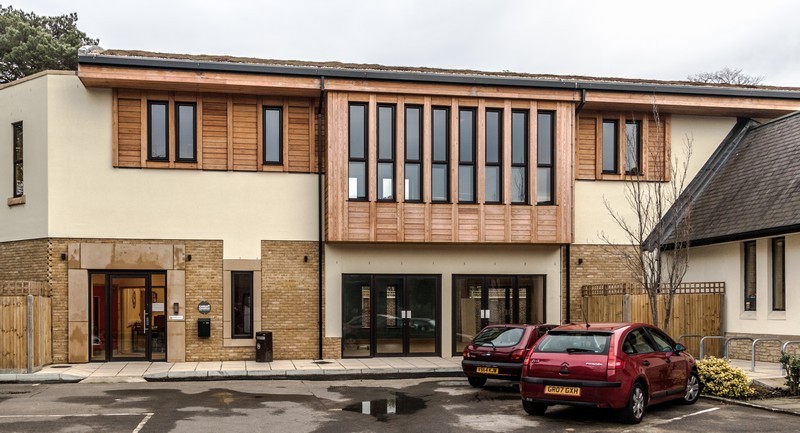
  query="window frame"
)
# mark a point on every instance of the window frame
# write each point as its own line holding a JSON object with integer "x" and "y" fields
{"x": 234, "y": 334}
{"x": 18, "y": 140}
{"x": 473, "y": 150}
{"x": 150, "y": 105}
{"x": 441, "y": 162}
{"x": 526, "y": 157}
{"x": 499, "y": 163}
{"x": 177, "y": 128}
{"x": 552, "y": 165}
{"x": 774, "y": 242}
{"x": 392, "y": 149}
{"x": 639, "y": 169}
{"x": 614, "y": 146}
{"x": 363, "y": 160}
{"x": 409, "y": 161}
{"x": 264, "y": 111}
{"x": 746, "y": 246}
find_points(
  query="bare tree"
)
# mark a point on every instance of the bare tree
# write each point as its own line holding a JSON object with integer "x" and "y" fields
{"x": 656, "y": 250}
{"x": 727, "y": 75}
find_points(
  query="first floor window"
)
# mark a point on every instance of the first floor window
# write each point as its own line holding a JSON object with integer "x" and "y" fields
{"x": 440, "y": 129}
{"x": 519, "y": 157}
{"x": 185, "y": 131}
{"x": 357, "y": 147}
{"x": 750, "y": 276}
{"x": 242, "y": 302}
{"x": 778, "y": 274}
{"x": 413, "y": 151}
{"x": 19, "y": 188}
{"x": 545, "y": 144}
{"x": 609, "y": 146}
{"x": 633, "y": 148}
{"x": 273, "y": 135}
{"x": 157, "y": 135}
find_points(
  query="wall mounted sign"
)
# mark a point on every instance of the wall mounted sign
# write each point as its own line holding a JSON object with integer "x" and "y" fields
{"x": 204, "y": 307}
{"x": 175, "y": 317}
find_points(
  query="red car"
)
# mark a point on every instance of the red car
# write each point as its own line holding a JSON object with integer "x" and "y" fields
{"x": 626, "y": 366}
{"x": 498, "y": 351}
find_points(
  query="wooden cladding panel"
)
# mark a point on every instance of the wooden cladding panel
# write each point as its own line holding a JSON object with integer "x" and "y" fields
{"x": 414, "y": 222}
{"x": 245, "y": 137}
{"x": 299, "y": 139}
{"x": 358, "y": 221}
{"x": 468, "y": 223}
{"x": 495, "y": 223}
{"x": 215, "y": 132}
{"x": 129, "y": 132}
{"x": 585, "y": 153}
{"x": 387, "y": 222}
{"x": 442, "y": 222}
{"x": 547, "y": 224}
{"x": 521, "y": 227}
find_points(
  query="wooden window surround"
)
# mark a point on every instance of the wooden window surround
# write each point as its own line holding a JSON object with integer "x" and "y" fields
{"x": 653, "y": 152}
{"x": 229, "y": 133}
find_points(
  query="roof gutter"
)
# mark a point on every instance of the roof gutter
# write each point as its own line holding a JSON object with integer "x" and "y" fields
{"x": 429, "y": 77}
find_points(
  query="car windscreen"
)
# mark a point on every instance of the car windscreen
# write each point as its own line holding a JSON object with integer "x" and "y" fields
{"x": 574, "y": 342}
{"x": 499, "y": 337}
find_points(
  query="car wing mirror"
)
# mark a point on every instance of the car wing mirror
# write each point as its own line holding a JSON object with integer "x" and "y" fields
{"x": 679, "y": 348}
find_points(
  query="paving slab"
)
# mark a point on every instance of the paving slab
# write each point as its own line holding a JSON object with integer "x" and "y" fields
{"x": 183, "y": 367}
{"x": 209, "y": 366}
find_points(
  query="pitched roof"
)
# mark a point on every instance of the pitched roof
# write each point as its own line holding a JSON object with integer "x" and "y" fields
{"x": 749, "y": 188}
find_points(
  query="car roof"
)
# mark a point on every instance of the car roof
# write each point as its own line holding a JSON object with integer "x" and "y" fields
{"x": 591, "y": 326}
{"x": 516, "y": 325}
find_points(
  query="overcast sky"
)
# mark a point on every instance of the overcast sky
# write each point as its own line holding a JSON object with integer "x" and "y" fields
{"x": 667, "y": 39}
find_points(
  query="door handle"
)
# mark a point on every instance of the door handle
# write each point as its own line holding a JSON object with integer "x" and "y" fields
{"x": 668, "y": 360}
{"x": 646, "y": 363}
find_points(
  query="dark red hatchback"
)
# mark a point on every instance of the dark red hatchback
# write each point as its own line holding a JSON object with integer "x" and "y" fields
{"x": 626, "y": 366}
{"x": 498, "y": 351}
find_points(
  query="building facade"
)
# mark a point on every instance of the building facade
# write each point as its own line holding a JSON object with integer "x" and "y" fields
{"x": 176, "y": 206}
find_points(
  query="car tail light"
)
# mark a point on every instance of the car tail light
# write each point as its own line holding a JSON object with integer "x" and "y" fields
{"x": 614, "y": 363}
{"x": 518, "y": 354}
{"x": 466, "y": 352}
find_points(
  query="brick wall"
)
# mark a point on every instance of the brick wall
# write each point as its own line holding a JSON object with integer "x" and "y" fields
{"x": 768, "y": 351}
{"x": 24, "y": 260}
{"x": 600, "y": 264}
{"x": 290, "y": 297}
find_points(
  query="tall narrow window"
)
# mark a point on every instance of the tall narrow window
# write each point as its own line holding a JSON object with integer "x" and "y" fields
{"x": 19, "y": 186}
{"x": 185, "y": 131}
{"x": 242, "y": 304}
{"x": 519, "y": 157}
{"x": 273, "y": 135}
{"x": 386, "y": 152}
{"x": 157, "y": 137}
{"x": 440, "y": 183}
{"x": 413, "y": 168}
{"x": 633, "y": 148}
{"x": 545, "y": 144}
{"x": 494, "y": 156}
{"x": 610, "y": 146}
{"x": 750, "y": 276}
{"x": 466, "y": 155}
{"x": 357, "y": 137}
{"x": 778, "y": 274}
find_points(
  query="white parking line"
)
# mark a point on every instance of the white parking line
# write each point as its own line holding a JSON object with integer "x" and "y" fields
{"x": 147, "y": 416}
{"x": 141, "y": 424}
{"x": 665, "y": 421}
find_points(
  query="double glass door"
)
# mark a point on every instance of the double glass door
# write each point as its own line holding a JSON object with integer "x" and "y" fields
{"x": 483, "y": 300}
{"x": 128, "y": 316}
{"x": 388, "y": 315}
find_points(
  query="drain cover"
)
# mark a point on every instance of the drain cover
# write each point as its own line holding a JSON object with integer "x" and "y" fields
{"x": 323, "y": 362}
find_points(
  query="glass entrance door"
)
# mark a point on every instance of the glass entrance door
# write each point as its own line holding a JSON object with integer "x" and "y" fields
{"x": 129, "y": 318}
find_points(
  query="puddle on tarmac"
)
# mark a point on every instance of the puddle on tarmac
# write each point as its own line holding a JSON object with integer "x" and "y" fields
{"x": 382, "y": 409}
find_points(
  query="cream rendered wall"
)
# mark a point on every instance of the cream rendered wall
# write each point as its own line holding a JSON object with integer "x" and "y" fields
{"x": 26, "y": 101}
{"x": 724, "y": 262}
{"x": 438, "y": 259}
{"x": 90, "y": 198}
{"x": 591, "y": 216}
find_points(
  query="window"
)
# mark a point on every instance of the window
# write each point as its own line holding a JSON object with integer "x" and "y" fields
{"x": 357, "y": 137}
{"x": 440, "y": 183}
{"x": 413, "y": 168}
{"x": 19, "y": 186}
{"x": 750, "y": 276}
{"x": 157, "y": 137}
{"x": 633, "y": 150}
{"x": 610, "y": 146}
{"x": 544, "y": 158}
{"x": 185, "y": 131}
{"x": 386, "y": 137}
{"x": 494, "y": 156}
{"x": 273, "y": 135}
{"x": 778, "y": 274}
{"x": 519, "y": 157}
{"x": 242, "y": 302}
{"x": 466, "y": 155}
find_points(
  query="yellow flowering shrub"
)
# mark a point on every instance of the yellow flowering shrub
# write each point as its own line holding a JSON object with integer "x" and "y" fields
{"x": 722, "y": 379}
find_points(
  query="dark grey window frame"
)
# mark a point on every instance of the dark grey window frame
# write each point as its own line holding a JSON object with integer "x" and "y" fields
{"x": 150, "y": 156}
{"x": 178, "y": 156}
{"x": 552, "y": 165}
{"x": 748, "y": 304}
{"x": 499, "y": 163}
{"x": 18, "y": 187}
{"x": 365, "y": 159}
{"x": 465, "y": 163}
{"x": 234, "y": 335}
{"x": 411, "y": 161}
{"x": 526, "y": 154}
{"x": 266, "y": 161}
{"x": 614, "y": 146}
{"x": 438, "y": 162}
{"x": 638, "y": 171}
{"x": 382, "y": 160}
{"x": 778, "y": 275}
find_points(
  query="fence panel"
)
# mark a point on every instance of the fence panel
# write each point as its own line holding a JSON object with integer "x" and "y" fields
{"x": 13, "y": 325}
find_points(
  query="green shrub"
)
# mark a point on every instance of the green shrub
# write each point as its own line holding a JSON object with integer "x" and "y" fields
{"x": 722, "y": 379}
{"x": 791, "y": 364}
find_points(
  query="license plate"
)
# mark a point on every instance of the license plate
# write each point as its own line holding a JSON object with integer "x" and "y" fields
{"x": 487, "y": 370}
{"x": 562, "y": 390}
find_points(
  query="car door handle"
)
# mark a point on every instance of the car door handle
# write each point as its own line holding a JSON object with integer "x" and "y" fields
{"x": 646, "y": 363}
{"x": 667, "y": 360}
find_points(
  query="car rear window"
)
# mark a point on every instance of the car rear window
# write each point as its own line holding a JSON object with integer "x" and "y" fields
{"x": 574, "y": 342}
{"x": 499, "y": 337}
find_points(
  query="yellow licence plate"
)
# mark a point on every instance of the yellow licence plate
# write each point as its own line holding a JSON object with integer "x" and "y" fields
{"x": 562, "y": 390}
{"x": 487, "y": 370}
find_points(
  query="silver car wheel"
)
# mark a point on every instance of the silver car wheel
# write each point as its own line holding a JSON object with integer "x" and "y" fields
{"x": 692, "y": 388}
{"x": 638, "y": 403}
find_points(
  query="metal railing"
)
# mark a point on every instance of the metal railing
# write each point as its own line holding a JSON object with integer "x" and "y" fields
{"x": 783, "y": 351}
{"x": 727, "y": 344}
{"x": 703, "y": 342}
{"x": 755, "y": 343}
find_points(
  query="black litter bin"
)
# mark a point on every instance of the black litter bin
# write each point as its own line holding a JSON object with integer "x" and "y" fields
{"x": 264, "y": 346}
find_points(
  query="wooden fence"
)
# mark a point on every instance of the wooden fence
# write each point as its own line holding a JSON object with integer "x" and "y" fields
{"x": 696, "y": 310}
{"x": 15, "y": 337}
